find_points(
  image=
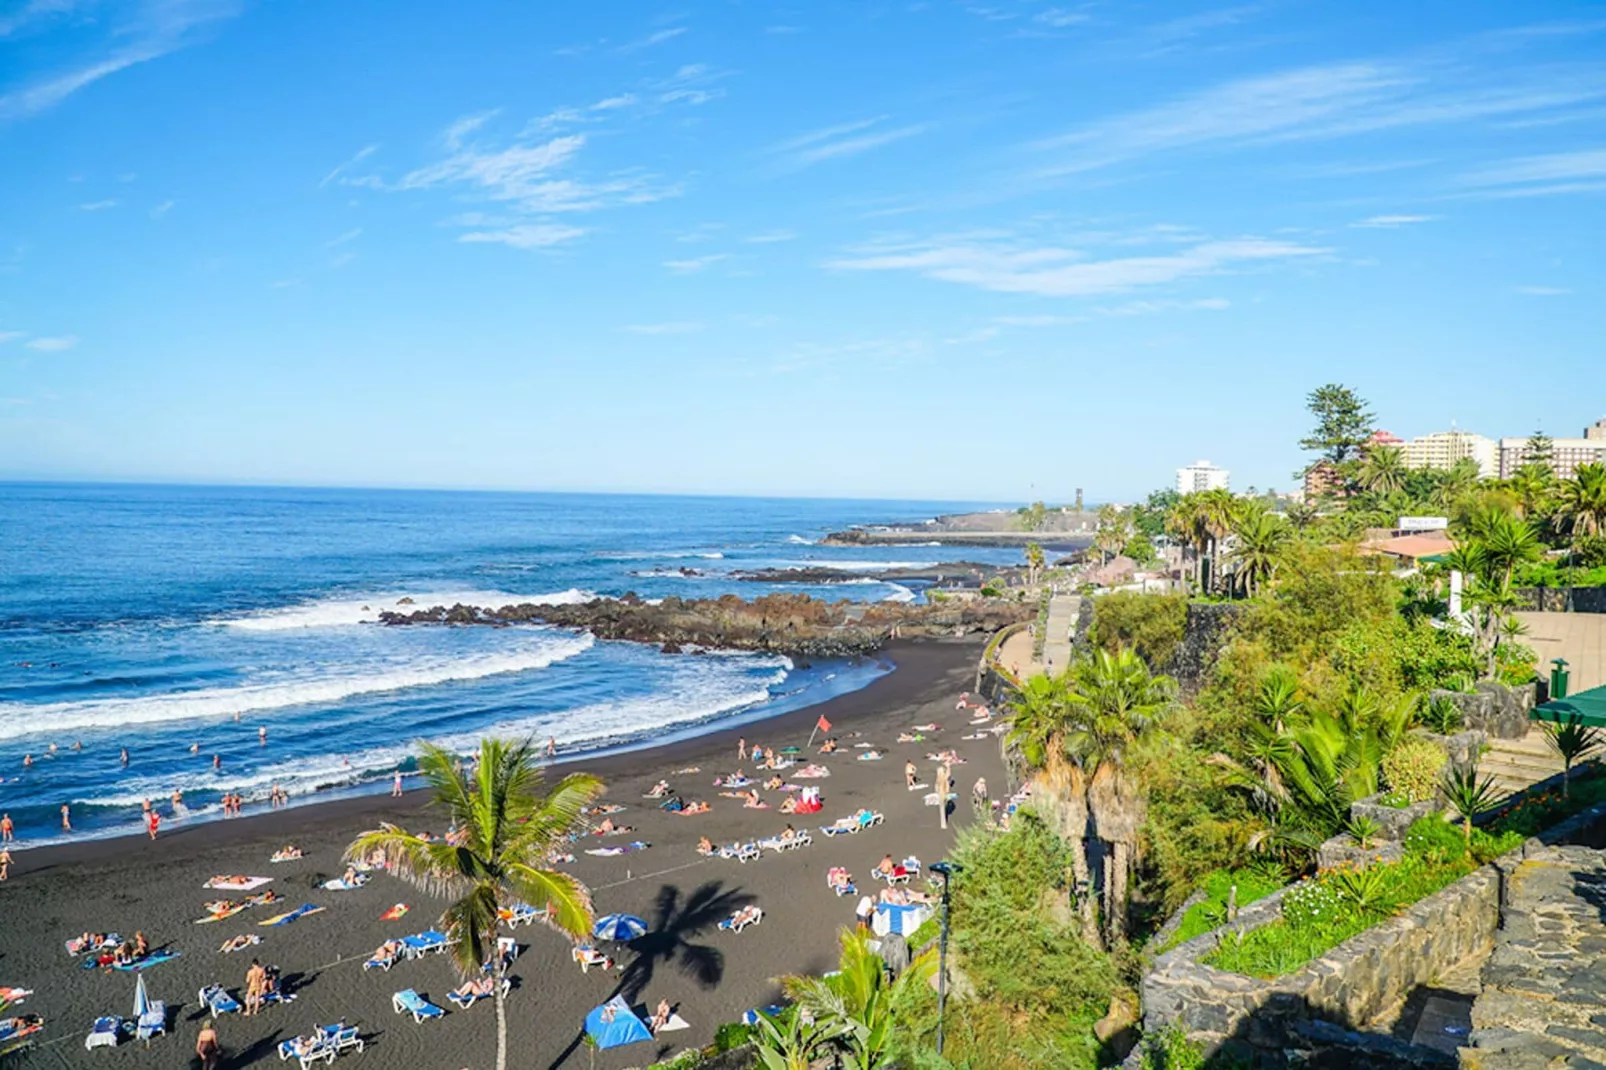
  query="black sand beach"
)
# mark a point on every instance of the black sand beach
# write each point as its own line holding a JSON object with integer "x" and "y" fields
{"x": 131, "y": 884}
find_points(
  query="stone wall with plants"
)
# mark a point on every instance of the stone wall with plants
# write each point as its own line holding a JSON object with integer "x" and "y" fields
{"x": 1493, "y": 708}
{"x": 1564, "y": 599}
{"x": 1346, "y": 988}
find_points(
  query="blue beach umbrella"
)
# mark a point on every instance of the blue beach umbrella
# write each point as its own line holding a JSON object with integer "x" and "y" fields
{"x": 619, "y": 927}
{"x": 142, "y": 1002}
{"x": 614, "y": 1024}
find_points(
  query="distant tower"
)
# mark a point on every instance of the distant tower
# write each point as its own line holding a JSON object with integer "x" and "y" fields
{"x": 1078, "y": 499}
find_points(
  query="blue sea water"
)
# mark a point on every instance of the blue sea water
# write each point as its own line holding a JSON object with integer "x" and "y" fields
{"x": 177, "y": 622}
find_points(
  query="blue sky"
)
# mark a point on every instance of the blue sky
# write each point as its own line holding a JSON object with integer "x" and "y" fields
{"x": 989, "y": 250}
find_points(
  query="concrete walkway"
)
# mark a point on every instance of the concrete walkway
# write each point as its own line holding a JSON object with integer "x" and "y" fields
{"x": 1016, "y": 653}
{"x": 1578, "y": 637}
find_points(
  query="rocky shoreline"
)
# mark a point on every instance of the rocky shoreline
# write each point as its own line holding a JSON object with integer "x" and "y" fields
{"x": 948, "y": 574}
{"x": 794, "y": 625}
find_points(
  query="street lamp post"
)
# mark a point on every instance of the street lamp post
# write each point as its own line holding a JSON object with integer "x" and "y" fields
{"x": 947, "y": 871}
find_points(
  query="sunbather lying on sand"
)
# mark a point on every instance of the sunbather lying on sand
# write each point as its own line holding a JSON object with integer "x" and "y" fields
{"x": 236, "y": 943}
{"x": 705, "y": 846}
{"x": 903, "y": 896}
{"x": 911, "y": 737}
{"x": 287, "y": 853}
{"x": 698, "y": 807}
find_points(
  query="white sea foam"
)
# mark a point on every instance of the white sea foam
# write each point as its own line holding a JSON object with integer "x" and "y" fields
{"x": 900, "y": 593}
{"x": 21, "y": 719}
{"x": 703, "y": 690}
{"x": 856, "y": 566}
{"x": 798, "y": 540}
{"x": 343, "y": 612}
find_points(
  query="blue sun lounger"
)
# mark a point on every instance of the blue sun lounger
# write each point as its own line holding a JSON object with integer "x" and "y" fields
{"x": 409, "y": 1002}
{"x": 105, "y": 1033}
{"x": 216, "y": 999}
{"x": 424, "y": 943}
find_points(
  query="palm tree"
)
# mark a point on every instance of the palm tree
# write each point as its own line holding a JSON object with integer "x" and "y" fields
{"x": 1186, "y": 522}
{"x": 1113, "y": 532}
{"x": 857, "y": 1006}
{"x": 1261, "y": 537}
{"x": 1115, "y": 704}
{"x": 1583, "y": 502}
{"x": 1532, "y": 483}
{"x": 1034, "y": 563}
{"x": 1042, "y": 718}
{"x": 1457, "y": 482}
{"x": 1382, "y": 469}
{"x": 508, "y": 827}
{"x": 1218, "y": 509}
{"x": 1278, "y": 700}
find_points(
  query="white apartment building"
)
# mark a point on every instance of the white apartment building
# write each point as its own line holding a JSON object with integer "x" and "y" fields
{"x": 1442, "y": 449}
{"x": 1201, "y": 475}
{"x": 1566, "y": 454}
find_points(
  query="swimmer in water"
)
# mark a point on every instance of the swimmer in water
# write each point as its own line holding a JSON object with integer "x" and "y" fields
{"x": 195, "y": 748}
{"x": 125, "y": 756}
{"x": 262, "y": 736}
{"x": 217, "y": 761}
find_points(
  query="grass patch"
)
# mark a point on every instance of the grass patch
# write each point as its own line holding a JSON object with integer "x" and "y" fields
{"x": 1211, "y": 913}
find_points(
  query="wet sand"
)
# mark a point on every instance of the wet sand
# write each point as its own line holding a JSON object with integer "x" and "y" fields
{"x": 131, "y": 884}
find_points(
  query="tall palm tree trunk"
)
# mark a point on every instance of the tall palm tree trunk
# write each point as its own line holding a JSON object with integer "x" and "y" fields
{"x": 501, "y": 1023}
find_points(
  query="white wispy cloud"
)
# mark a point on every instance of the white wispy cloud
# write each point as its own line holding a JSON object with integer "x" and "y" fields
{"x": 526, "y": 235}
{"x": 770, "y": 237}
{"x": 664, "y": 328}
{"x": 31, "y": 14}
{"x": 53, "y": 345}
{"x": 843, "y": 139}
{"x": 623, "y": 100}
{"x": 1168, "y": 35}
{"x": 361, "y": 155}
{"x": 658, "y": 37}
{"x": 351, "y": 235}
{"x": 692, "y": 83}
{"x": 1544, "y": 291}
{"x": 137, "y": 31}
{"x": 157, "y": 211}
{"x": 1319, "y": 102}
{"x": 695, "y": 264}
{"x": 1051, "y": 271}
{"x": 1389, "y": 222}
{"x": 10, "y": 336}
{"x": 460, "y": 129}
{"x": 1147, "y": 308}
{"x": 1533, "y": 176}
{"x": 1044, "y": 320}
{"x": 97, "y": 206}
{"x": 1059, "y": 18}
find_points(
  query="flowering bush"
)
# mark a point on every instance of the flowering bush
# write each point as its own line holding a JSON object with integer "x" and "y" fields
{"x": 1309, "y": 902}
{"x": 1412, "y": 769}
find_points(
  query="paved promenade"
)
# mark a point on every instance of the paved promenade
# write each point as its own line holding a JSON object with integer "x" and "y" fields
{"x": 1578, "y": 637}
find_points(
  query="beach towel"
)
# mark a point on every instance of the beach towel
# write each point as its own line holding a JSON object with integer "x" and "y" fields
{"x": 76, "y": 946}
{"x": 675, "y": 1024}
{"x": 251, "y": 940}
{"x": 234, "y": 908}
{"x": 155, "y": 958}
{"x": 295, "y": 915}
{"x": 612, "y": 852}
{"x": 342, "y": 885}
{"x": 13, "y": 995}
{"x": 11, "y": 1032}
{"x": 394, "y": 912}
{"x": 236, "y": 884}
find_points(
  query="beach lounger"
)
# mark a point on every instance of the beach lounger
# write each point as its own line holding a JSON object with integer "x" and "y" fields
{"x": 409, "y": 1002}
{"x": 153, "y": 1023}
{"x": 465, "y": 1002}
{"x": 424, "y": 943}
{"x": 747, "y": 852}
{"x": 321, "y": 1051}
{"x": 740, "y": 920}
{"x": 379, "y": 962}
{"x": 216, "y": 999}
{"x": 105, "y": 1033}
{"x": 343, "y": 1037}
{"x": 519, "y": 914}
{"x": 588, "y": 957}
{"x": 752, "y": 1017}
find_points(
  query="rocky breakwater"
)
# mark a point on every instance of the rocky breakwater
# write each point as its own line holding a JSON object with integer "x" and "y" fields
{"x": 948, "y": 574}
{"x": 794, "y": 625}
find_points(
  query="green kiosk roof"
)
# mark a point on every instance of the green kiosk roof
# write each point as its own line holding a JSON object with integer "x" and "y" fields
{"x": 1588, "y": 706}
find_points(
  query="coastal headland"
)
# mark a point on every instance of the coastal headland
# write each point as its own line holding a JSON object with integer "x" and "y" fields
{"x": 133, "y": 884}
{"x": 796, "y": 625}
{"x": 1061, "y": 530}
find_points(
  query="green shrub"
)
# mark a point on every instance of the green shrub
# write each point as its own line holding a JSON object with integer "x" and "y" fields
{"x": 731, "y": 1035}
{"x": 1515, "y": 663}
{"x": 1434, "y": 839}
{"x": 1412, "y": 768}
{"x": 1535, "y": 813}
{"x": 1151, "y": 625}
{"x": 1211, "y": 913}
{"x": 1439, "y": 715}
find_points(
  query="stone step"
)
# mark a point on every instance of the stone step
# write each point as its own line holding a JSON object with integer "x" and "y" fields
{"x": 1533, "y": 743}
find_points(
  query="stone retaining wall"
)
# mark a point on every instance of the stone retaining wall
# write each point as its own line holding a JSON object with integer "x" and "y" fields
{"x": 1498, "y": 710}
{"x": 1564, "y": 599}
{"x": 1272, "y": 1021}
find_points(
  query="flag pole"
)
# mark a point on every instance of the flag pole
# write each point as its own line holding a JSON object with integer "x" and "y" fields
{"x": 810, "y": 743}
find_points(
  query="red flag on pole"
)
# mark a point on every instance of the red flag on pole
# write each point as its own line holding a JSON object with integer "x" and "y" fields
{"x": 822, "y": 724}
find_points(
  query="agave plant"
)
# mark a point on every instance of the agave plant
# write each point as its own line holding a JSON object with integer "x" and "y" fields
{"x": 1439, "y": 715}
{"x": 1468, "y": 795}
{"x": 786, "y": 1041}
{"x": 1572, "y": 740}
{"x": 856, "y": 1008}
{"x": 1364, "y": 831}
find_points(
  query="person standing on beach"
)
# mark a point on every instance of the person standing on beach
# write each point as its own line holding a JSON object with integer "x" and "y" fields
{"x": 7, "y": 829}
{"x": 741, "y": 749}
{"x": 5, "y": 864}
{"x": 256, "y": 983}
{"x": 551, "y": 746}
{"x": 207, "y": 1048}
{"x": 910, "y": 775}
{"x": 395, "y": 786}
{"x": 66, "y": 818}
{"x": 153, "y": 821}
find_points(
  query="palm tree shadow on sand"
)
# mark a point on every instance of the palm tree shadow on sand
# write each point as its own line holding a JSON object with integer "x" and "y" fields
{"x": 673, "y": 939}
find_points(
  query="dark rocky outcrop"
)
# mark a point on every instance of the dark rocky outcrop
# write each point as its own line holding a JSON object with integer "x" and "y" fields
{"x": 954, "y": 574}
{"x": 795, "y": 625}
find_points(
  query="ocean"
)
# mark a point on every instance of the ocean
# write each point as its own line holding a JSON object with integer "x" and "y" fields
{"x": 178, "y": 622}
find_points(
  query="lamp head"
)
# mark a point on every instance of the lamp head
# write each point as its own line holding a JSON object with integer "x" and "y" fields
{"x": 947, "y": 869}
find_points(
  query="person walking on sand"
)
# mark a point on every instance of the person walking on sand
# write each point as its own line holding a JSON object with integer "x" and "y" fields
{"x": 256, "y": 985}
{"x": 153, "y": 821}
{"x": 207, "y": 1048}
{"x": 551, "y": 746}
{"x": 5, "y": 864}
{"x": 66, "y": 818}
{"x": 7, "y": 829}
{"x": 741, "y": 749}
{"x": 395, "y": 786}
{"x": 910, "y": 775}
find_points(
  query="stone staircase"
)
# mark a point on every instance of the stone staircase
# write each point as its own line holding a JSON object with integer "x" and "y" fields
{"x": 1514, "y": 764}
